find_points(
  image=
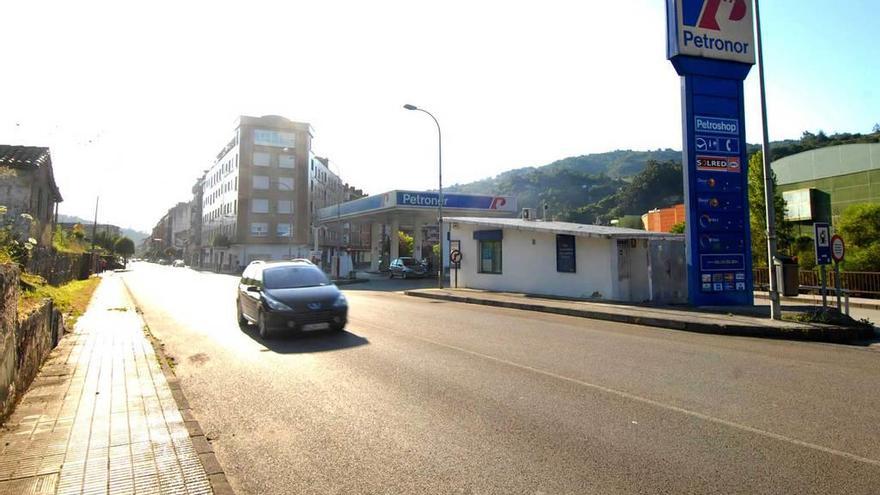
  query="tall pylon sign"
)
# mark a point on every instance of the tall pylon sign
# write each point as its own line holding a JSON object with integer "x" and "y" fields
{"x": 711, "y": 44}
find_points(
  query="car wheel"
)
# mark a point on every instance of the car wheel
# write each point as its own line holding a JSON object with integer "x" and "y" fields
{"x": 242, "y": 321}
{"x": 404, "y": 276}
{"x": 337, "y": 327}
{"x": 264, "y": 327}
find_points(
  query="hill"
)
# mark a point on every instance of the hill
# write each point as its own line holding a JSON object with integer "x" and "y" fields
{"x": 135, "y": 235}
{"x": 599, "y": 187}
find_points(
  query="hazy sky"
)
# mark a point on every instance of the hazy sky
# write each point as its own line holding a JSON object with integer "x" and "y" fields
{"x": 136, "y": 99}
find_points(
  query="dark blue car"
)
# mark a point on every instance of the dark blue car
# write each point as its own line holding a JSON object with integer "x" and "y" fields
{"x": 293, "y": 296}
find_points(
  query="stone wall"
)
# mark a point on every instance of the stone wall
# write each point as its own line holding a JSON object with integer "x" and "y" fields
{"x": 25, "y": 343}
{"x": 8, "y": 350}
{"x": 59, "y": 268}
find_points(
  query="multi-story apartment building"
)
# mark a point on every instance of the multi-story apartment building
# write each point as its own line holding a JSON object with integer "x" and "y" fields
{"x": 259, "y": 198}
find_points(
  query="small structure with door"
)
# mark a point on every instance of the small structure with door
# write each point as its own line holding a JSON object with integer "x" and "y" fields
{"x": 569, "y": 260}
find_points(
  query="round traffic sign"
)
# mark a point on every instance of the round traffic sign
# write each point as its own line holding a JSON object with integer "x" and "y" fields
{"x": 838, "y": 248}
{"x": 455, "y": 256}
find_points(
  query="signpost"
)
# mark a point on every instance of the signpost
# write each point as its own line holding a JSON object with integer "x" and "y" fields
{"x": 822, "y": 243}
{"x": 711, "y": 44}
{"x": 455, "y": 258}
{"x": 838, "y": 251}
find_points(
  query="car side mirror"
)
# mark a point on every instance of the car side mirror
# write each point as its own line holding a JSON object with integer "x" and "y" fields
{"x": 253, "y": 288}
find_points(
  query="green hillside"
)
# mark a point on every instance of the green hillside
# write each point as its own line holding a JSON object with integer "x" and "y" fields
{"x": 603, "y": 186}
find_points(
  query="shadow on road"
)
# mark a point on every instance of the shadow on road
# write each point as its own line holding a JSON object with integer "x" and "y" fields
{"x": 301, "y": 343}
{"x": 389, "y": 285}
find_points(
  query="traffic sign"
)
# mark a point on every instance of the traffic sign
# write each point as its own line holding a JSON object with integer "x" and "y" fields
{"x": 822, "y": 241}
{"x": 838, "y": 248}
{"x": 455, "y": 256}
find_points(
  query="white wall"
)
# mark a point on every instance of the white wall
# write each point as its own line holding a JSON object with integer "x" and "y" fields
{"x": 531, "y": 268}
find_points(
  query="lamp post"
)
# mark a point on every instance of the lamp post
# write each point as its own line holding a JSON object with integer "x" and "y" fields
{"x": 775, "y": 309}
{"x": 440, "y": 189}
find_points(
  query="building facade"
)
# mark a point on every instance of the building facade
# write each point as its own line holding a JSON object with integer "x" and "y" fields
{"x": 260, "y": 196}
{"x": 818, "y": 185}
{"x": 27, "y": 187}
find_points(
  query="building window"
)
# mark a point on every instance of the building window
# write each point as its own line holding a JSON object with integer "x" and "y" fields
{"x": 490, "y": 257}
{"x": 261, "y": 182}
{"x": 260, "y": 206}
{"x": 279, "y": 139}
{"x": 283, "y": 230}
{"x": 285, "y": 183}
{"x": 285, "y": 206}
{"x": 261, "y": 159}
{"x": 259, "y": 229}
{"x": 566, "y": 254}
{"x": 286, "y": 161}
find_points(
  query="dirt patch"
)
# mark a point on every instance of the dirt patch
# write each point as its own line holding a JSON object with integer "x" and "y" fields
{"x": 199, "y": 359}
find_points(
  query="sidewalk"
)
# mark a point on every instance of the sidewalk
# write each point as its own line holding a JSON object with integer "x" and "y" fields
{"x": 816, "y": 300}
{"x": 740, "y": 321}
{"x": 100, "y": 416}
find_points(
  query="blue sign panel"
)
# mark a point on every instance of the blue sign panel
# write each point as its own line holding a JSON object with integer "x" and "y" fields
{"x": 822, "y": 240}
{"x": 460, "y": 201}
{"x": 710, "y": 49}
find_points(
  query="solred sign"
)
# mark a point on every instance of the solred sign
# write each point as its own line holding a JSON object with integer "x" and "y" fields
{"x": 716, "y": 29}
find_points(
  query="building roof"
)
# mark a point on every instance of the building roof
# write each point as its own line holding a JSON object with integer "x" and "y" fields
{"x": 827, "y": 162}
{"x": 566, "y": 228}
{"x": 24, "y": 156}
{"x": 29, "y": 157}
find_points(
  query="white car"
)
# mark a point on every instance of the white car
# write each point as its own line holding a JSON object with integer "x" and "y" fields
{"x": 178, "y": 264}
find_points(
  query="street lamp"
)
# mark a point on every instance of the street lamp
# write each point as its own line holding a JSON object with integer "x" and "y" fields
{"x": 440, "y": 202}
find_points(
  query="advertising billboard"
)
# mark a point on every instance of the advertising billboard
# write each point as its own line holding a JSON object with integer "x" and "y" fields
{"x": 715, "y": 29}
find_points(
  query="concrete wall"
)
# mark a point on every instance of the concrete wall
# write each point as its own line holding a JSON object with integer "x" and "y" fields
{"x": 24, "y": 343}
{"x": 529, "y": 265}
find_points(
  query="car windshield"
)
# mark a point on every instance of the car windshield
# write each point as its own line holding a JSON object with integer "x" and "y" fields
{"x": 409, "y": 262}
{"x": 291, "y": 277}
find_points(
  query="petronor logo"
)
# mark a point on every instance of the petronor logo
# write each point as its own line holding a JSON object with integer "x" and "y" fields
{"x": 729, "y": 10}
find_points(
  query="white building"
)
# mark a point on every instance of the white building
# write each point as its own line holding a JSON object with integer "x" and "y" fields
{"x": 569, "y": 260}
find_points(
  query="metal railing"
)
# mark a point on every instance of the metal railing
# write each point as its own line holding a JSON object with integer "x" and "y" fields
{"x": 857, "y": 284}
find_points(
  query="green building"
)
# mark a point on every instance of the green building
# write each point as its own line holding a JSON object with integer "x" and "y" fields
{"x": 818, "y": 185}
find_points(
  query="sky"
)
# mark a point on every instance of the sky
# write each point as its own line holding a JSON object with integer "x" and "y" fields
{"x": 135, "y": 99}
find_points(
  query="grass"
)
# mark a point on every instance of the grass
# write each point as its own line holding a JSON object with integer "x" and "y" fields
{"x": 71, "y": 298}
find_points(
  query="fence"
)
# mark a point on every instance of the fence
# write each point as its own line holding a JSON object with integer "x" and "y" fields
{"x": 59, "y": 268}
{"x": 857, "y": 284}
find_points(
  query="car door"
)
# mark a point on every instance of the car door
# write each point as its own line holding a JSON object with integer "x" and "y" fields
{"x": 250, "y": 300}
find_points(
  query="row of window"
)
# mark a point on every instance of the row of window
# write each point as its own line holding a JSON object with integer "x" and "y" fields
{"x": 262, "y": 206}
{"x": 226, "y": 209}
{"x": 230, "y": 164}
{"x": 261, "y": 229}
{"x": 262, "y": 183}
{"x": 228, "y": 186}
{"x": 264, "y": 159}
{"x": 491, "y": 254}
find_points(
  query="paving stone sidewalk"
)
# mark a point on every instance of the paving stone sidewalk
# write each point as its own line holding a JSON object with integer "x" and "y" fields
{"x": 100, "y": 418}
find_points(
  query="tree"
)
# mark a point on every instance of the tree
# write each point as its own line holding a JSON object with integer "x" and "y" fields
{"x": 678, "y": 228}
{"x": 124, "y": 247}
{"x": 876, "y": 128}
{"x": 758, "y": 215}
{"x": 406, "y": 243}
{"x": 860, "y": 227}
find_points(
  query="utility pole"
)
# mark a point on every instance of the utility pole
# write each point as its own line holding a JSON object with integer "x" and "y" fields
{"x": 95, "y": 234}
{"x": 775, "y": 309}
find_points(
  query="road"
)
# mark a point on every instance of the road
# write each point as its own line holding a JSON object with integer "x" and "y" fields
{"x": 424, "y": 396}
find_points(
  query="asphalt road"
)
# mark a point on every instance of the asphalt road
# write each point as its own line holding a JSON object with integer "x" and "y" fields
{"x": 424, "y": 396}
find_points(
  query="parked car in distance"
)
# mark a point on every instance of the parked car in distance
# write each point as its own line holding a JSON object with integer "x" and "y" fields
{"x": 407, "y": 268}
{"x": 178, "y": 264}
{"x": 163, "y": 261}
{"x": 292, "y": 296}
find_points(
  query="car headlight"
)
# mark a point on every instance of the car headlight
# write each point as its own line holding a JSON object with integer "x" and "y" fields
{"x": 341, "y": 302}
{"x": 276, "y": 305}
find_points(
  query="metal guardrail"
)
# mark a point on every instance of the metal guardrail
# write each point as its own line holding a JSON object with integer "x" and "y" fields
{"x": 856, "y": 284}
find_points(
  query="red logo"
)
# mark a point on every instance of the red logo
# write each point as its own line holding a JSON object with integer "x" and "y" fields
{"x": 712, "y": 8}
{"x": 498, "y": 203}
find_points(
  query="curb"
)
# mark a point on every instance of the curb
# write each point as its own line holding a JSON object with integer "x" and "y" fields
{"x": 344, "y": 282}
{"x": 216, "y": 476}
{"x": 824, "y": 333}
{"x": 831, "y": 300}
